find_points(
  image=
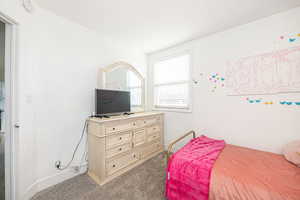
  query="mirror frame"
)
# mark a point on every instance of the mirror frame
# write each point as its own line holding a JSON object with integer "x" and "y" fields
{"x": 121, "y": 64}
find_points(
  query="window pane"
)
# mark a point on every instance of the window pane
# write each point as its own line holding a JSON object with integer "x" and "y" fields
{"x": 135, "y": 96}
{"x": 172, "y": 95}
{"x": 171, "y": 70}
{"x": 133, "y": 80}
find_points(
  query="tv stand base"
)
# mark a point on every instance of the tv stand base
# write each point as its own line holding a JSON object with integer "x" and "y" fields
{"x": 128, "y": 113}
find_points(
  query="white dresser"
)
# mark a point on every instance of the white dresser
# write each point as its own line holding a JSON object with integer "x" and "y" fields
{"x": 117, "y": 144}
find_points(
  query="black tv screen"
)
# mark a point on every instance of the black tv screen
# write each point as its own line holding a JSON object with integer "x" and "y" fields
{"x": 112, "y": 101}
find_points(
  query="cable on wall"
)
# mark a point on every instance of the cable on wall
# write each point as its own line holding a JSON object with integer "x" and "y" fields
{"x": 58, "y": 164}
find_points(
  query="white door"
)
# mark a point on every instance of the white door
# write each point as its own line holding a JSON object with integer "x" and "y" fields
{"x": 2, "y": 109}
{"x": 7, "y": 108}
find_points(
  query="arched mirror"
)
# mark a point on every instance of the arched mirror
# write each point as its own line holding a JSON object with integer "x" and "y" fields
{"x": 123, "y": 76}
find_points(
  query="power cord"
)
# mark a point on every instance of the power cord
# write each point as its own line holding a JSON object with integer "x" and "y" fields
{"x": 58, "y": 163}
{"x": 84, "y": 155}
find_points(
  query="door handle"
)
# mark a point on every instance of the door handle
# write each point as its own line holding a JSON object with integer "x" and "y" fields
{"x": 17, "y": 125}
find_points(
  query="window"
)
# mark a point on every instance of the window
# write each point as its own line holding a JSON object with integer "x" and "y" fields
{"x": 134, "y": 85}
{"x": 171, "y": 82}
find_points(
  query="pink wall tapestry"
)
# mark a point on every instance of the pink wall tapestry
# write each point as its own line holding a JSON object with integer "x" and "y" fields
{"x": 269, "y": 73}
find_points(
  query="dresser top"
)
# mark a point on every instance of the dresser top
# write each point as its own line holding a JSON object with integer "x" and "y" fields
{"x": 122, "y": 117}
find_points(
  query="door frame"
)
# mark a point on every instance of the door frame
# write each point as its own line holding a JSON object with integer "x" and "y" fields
{"x": 11, "y": 106}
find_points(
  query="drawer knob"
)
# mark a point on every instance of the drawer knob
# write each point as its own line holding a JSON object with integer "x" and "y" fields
{"x": 120, "y": 149}
{"x": 120, "y": 138}
{"x": 144, "y": 122}
{"x": 114, "y": 128}
{"x": 133, "y": 124}
{"x": 134, "y": 155}
{"x": 114, "y": 166}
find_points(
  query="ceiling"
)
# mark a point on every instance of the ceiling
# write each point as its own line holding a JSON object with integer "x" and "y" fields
{"x": 151, "y": 25}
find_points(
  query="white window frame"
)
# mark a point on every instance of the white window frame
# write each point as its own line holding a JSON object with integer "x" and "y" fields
{"x": 156, "y": 59}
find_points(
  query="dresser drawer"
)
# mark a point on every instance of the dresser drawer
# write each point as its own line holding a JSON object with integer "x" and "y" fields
{"x": 153, "y": 129}
{"x": 114, "y": 165}
{"x": 116, "y": 140}
{"x": 153, "y": 136}
{"x": 139, "y": 137}
{"x": 150, "y": 121}
{"x": 117, "y": 150}
{"x": 119, "y": 127}
{"x": 152, "y": 148}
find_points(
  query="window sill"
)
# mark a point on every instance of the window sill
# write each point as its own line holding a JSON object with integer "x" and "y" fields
{"x": 179, "y": 110}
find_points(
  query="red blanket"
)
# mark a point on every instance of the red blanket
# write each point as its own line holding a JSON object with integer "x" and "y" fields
{"x": 188, "y": 172}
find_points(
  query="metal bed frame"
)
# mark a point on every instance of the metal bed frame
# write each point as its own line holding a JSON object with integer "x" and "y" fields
{"x": 171, "y": 145}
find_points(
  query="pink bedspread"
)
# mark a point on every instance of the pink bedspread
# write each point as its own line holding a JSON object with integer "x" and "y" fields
{"x": 189, "y": 169}
{"x": 248, "y": 174}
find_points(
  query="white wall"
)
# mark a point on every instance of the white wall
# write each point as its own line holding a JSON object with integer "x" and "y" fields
{"x": 57, "y": 70}
{"x": 232, "y": 118}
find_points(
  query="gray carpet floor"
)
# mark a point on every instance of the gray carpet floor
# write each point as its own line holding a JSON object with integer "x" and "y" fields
{"x": 145, "y": 182}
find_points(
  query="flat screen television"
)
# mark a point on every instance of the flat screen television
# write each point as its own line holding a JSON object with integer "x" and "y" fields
{"x": 112, "y": 101}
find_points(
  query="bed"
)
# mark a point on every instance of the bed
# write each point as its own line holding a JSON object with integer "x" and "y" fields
{"x": 240, "y": 173}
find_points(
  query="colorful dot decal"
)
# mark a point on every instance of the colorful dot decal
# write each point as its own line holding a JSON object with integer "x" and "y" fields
{"x": 217, "y": 81}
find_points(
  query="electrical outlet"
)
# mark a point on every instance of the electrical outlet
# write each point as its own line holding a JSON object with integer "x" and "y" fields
{"x": 57, "y": 164}
{"x": 76, "y": 169}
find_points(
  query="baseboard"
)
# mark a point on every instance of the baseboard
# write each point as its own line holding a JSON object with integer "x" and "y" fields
{"x": 30, "y": 192}
{"x": 52, "y": 180}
